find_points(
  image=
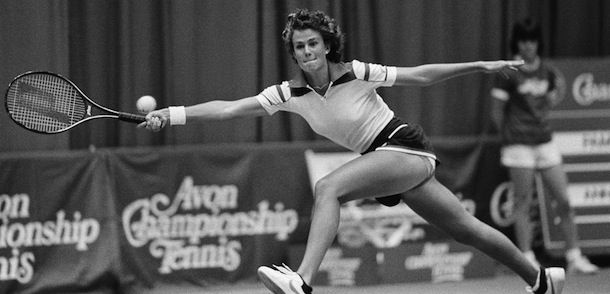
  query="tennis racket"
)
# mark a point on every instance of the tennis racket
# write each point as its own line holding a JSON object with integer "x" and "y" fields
{"x": 48, "y": 103}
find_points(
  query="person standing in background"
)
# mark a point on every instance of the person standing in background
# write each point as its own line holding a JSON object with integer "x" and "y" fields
{"x": 520, "y": 110}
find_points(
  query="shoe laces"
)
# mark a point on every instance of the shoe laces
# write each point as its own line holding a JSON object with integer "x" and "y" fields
{"x": 284, "y": 269}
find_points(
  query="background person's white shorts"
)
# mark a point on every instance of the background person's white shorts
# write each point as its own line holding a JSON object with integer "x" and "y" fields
{"x": 531, "y": 156}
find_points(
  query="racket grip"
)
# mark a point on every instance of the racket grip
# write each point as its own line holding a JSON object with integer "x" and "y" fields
{"x": 133, "y": 118}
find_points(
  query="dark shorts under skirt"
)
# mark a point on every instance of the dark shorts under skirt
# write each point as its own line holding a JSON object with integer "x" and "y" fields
{"x": 411, "y": 139}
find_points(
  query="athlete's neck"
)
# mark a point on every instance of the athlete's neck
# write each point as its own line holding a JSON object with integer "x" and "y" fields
{"x": 318, "y": 79}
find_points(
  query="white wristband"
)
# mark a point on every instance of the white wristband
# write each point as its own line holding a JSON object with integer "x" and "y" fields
{"x": 177, "y": 115}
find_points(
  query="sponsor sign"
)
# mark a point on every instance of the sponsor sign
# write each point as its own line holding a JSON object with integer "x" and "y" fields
{"x": 581, "y": 122}
{"x": 200, "y": 226}
{"x": 342, "y": 266}
{"x": 447, "y": 261}
{"x": 68, "y": 221}
{"x": 436, "y": 262}
{"x": 50, "y": 221}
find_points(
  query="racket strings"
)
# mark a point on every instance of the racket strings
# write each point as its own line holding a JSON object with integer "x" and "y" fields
{"x": 45, "y": 103}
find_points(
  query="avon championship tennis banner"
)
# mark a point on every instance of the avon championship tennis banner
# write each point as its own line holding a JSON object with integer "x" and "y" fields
{"x": 203, "y": 216}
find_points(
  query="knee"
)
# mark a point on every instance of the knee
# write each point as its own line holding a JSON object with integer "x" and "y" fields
{"x": 325, "y": 190}
{"x": 564, "y": 208}
{"x": 522, "y": 204}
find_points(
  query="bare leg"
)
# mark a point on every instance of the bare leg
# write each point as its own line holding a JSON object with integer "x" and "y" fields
{"x": 556, "y": 180}
{"x": 322, "y": 232}
{"x": 436, "y": 204}
{"x": 378, "y": 173}
{"x": 523, "y": 184}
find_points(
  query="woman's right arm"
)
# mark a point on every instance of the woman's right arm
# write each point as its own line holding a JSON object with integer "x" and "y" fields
{"x": 223, "y": 110}
{"x": 211, "y": 110}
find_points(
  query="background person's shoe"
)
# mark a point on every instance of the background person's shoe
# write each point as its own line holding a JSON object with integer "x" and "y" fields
{"x": 581, "y": 265}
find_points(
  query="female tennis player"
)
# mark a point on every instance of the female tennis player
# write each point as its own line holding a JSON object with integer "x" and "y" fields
{"x": 339, "y": 101}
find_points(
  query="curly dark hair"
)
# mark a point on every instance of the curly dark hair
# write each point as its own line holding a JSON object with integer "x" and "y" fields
{"x": 318, "y": 21}
{"x": 526, "y": 30}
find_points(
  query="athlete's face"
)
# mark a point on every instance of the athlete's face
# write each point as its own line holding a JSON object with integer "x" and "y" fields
{"x": 309, "y": 50}
{"x": 528, "y": 49}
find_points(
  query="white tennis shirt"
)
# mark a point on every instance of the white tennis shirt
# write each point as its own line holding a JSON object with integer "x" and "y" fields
{"x": 351, "y": 113}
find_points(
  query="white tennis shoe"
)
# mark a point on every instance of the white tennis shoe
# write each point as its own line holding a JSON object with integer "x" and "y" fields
{"x": 555, "y": 277}
{"x": 282, "y": 280}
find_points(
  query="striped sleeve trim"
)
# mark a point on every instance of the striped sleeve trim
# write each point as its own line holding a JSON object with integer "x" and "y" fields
{"x": 499, "y": 94}
{"x": 279, "y": 90}
{"x": 276, "y": 94}
{"x": 271, "y": 97}
{"x": 374, "y": 72}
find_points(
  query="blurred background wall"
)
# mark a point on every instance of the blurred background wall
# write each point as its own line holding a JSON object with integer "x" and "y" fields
{"x": 187, "y": 51}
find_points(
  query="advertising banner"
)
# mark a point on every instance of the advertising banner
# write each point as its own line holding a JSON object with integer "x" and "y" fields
{"x": 430, "y": 261}
{"x": 97, "y": 222}
{"x": 581, "y": 122}
{"x": 436, "y": 262}
{"x": 343, "y": 266}
{"x": 203, "y": 216}
{"x": 58, "y": 232}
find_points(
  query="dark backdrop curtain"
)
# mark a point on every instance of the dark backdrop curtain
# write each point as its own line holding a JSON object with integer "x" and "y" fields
{"x": 33, "y": 36}
{"x": 187, "y": 51}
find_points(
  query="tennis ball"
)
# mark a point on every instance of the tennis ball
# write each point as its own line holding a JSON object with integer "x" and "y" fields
{"x": 146, "y": 104}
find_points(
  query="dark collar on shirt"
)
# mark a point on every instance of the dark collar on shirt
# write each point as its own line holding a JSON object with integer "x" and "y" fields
{"x": 339, "y": 73}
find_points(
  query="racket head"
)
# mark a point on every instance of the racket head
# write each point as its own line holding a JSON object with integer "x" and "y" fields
{"x": 45, "y": 102}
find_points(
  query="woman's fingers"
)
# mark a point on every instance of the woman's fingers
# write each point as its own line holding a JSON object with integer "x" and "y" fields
{"x": 153, "y": 123}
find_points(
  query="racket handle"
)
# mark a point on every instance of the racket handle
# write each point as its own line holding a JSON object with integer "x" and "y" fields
{"x": 133, "y": 118}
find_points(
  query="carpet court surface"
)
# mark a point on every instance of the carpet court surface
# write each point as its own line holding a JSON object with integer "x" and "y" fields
{"x": 503, "y": 283}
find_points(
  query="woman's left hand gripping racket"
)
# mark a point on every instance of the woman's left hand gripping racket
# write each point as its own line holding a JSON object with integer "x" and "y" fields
{"x": 48, "y": 103}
